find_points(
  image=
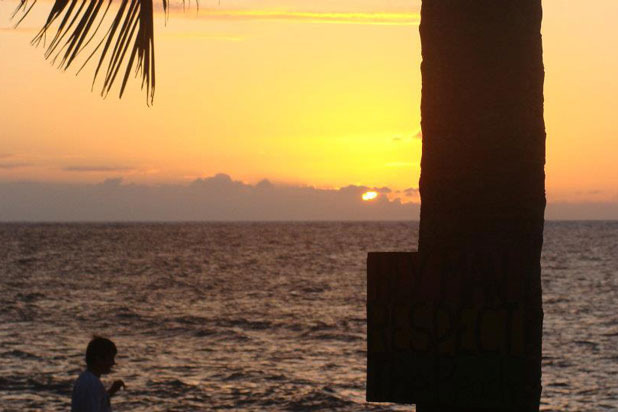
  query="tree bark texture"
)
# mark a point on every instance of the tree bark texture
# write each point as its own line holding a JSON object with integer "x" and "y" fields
{"x": 482, "y": 179}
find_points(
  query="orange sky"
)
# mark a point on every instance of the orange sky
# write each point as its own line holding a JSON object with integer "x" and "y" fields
{"x": 325, "y": 95}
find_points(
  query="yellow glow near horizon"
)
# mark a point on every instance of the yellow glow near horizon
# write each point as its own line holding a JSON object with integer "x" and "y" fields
{"x": 287, "y": 99}
{"x": 369, "y": 195}
{"x": 323, "y": 95}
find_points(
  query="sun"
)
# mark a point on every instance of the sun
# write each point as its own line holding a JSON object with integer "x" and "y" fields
{"x": 369, "y": 195}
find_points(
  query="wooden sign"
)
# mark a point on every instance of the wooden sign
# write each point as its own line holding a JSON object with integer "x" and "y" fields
{"x": 448, "y": 330}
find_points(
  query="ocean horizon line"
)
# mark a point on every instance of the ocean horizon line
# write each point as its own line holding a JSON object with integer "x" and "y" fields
{"x": 215, "y": 221}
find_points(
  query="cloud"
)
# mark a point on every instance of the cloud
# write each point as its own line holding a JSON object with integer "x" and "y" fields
{"x": 418, "y": 134}
{"x": 13, "y": 165}
{"x": 375, "y": 18}
{"x": 9, "y": 161}
{"x": 97, "y": 169}
{"x": 115, "y": 181}
{"x": 582, "y": 211}
{"x": 214, "y": 198}
{"x": 359, "y": 190}
{"x": 221, "y": 198}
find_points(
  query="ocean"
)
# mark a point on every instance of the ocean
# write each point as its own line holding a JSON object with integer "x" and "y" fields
{"x": 259, "y": 316}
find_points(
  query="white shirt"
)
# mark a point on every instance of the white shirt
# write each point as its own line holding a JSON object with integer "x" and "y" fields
{"x": 89, "y": 394}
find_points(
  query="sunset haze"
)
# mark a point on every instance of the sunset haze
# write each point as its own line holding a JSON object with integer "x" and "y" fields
{"x": 322, "y": 97}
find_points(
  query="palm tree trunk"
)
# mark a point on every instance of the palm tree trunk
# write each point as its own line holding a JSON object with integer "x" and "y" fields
{"x": 482, "y": 179}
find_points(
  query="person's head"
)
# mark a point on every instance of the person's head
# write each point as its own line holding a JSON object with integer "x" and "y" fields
{"x": 100, "y": 355}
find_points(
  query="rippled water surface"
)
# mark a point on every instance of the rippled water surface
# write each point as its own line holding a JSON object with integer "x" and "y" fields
{"x": 258, "y": 316}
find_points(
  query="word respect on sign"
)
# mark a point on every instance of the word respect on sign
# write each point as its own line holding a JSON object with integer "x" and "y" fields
{"x": 447, "y": 329}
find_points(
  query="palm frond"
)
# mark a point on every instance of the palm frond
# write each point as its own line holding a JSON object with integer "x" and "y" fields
{"x": 128, "y": 43}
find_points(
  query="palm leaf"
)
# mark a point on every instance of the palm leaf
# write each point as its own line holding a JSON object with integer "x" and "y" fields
{"x": 127, "y": 45}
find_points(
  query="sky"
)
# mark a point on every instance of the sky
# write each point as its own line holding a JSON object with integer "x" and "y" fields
{"x": 320, "y": 100}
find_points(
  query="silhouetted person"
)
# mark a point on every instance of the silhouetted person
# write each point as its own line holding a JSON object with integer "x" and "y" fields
{"x": 89, "y": 394}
